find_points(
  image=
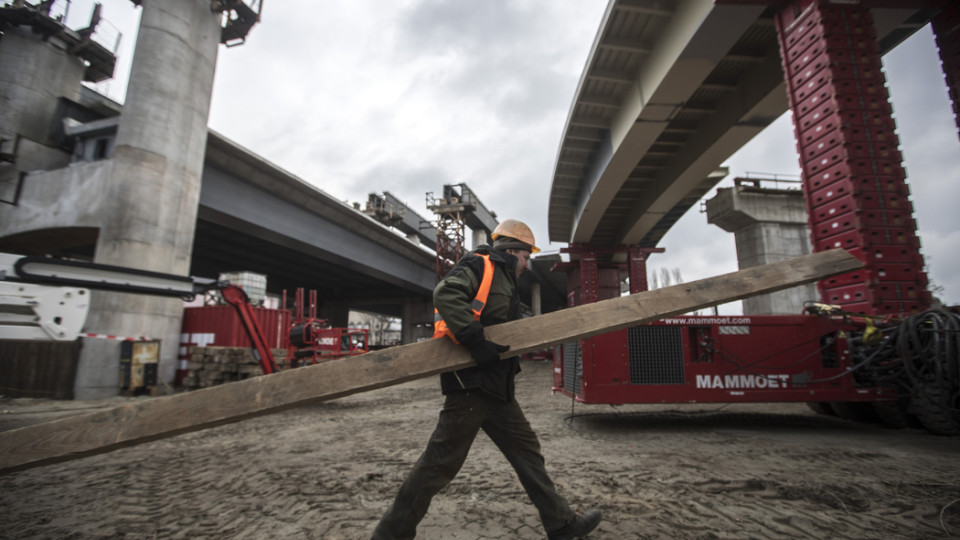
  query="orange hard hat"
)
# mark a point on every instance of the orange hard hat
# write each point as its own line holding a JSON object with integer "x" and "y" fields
{"x": 518, "y": 230}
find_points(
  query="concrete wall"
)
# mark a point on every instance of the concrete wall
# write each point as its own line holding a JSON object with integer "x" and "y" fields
{"x": 33, "y": 75}
{"x": 67, "y": 197}
{"x": 769, "y": 225}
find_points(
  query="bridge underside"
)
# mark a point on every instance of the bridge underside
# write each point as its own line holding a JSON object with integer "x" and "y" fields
{"x": 289, "y": 264}
{"x": 669, "y": 92}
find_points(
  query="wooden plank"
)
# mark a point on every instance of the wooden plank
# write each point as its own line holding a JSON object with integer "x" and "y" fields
{"x": 143, "y": 421}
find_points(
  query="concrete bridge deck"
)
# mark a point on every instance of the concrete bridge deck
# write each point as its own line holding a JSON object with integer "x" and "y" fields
{"x": 670, "y": 90}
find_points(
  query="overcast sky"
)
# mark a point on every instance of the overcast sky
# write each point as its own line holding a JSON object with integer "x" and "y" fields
{"x": 406, "y": 96}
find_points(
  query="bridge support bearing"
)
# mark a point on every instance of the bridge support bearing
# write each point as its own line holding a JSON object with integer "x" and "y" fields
{"x": 946, "y": 28}
{"x": 853, "y": 181}
{"x": 593, "y": 275}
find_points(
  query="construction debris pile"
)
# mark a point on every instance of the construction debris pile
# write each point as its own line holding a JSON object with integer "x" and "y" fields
{"x": 210, "y": 366}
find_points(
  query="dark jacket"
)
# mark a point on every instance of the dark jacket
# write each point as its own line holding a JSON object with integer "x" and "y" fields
{"x": 452, "y": 298}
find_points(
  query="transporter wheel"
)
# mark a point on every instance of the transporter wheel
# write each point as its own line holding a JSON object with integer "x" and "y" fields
{"x": 893, "y": 414}
{"x": 937, "y": 410}
{"x": 856, "y": 411}
{"x": 821, "y": 407}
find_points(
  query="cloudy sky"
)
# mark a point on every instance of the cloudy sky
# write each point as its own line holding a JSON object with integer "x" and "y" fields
{"x": 406, "y": 96}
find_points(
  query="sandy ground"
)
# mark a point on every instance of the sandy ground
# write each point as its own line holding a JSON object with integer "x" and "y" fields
{"x": 328, "y": 472}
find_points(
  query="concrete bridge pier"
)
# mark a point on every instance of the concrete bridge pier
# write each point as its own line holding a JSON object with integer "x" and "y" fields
{"x": 769, "y": 225}
{"x": 151, "y": 199}
{"x": 416, "y": 320}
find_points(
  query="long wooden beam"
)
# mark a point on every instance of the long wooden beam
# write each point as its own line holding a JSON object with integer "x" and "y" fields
{"x": 158, "y": 418}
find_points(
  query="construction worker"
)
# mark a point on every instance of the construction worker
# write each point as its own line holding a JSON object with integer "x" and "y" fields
{"x": 480, "y": 291}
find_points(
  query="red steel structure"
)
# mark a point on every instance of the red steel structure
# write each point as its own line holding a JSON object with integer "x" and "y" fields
{"x": 853, "y": 179}
{"x": 880, "y": 349}
{"x": 312, "y": 340}
{"x": 946, "y": 28}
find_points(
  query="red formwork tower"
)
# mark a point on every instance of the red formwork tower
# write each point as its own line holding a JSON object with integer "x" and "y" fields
{"x": 855, "y": 186}
{"x": 946, "y": 28}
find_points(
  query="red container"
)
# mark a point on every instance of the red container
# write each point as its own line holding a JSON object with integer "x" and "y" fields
{"x": 220, "y": 326}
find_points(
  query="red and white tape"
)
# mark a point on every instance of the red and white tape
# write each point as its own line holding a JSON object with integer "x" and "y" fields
{"x": 118, "y": 338}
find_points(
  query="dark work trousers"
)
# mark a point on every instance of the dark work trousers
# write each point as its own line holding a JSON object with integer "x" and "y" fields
{"x": 463, "y": 415}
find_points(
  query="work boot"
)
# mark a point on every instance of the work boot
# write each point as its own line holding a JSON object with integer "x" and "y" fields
{"x": 580, "y": 526}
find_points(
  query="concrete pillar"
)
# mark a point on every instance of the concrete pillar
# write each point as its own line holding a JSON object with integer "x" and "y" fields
{"x": 770, "y": 225}
{"x": 479, "y": 237}
{"x": 535, "y": 304}
{"x": 155, "y": 187}
{"x": 416, "y": 320}
{"x": 336, "y": 312}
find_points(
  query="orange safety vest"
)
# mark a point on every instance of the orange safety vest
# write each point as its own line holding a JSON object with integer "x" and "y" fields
{"x": 440, "y": 328}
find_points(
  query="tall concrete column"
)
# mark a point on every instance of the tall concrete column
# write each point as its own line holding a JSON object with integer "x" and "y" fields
{"x": 769, "y": 225}
{"x": 416, "y": 322}
{"x": 151, "y": 200}
{"x": 479, "y": 237}
{"x": 336, "y": 312}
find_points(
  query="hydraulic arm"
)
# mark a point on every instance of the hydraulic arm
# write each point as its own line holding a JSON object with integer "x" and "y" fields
{"x": 43, "y": 298}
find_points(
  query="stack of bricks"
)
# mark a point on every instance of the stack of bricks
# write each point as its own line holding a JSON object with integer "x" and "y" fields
{"x": 210, "y": 366}
{"x": 854, "y": 183}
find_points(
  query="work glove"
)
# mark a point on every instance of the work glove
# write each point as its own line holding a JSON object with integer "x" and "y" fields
{"x": 487, "y": 353}
{"x": 483, "y": 352}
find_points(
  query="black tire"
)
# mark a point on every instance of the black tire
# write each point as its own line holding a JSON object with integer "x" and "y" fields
{"x": 821, "y": 407}
{"x": 893, "y": 414}
{"x": 856, "y": 411}
{"x": 935, "y": 411}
